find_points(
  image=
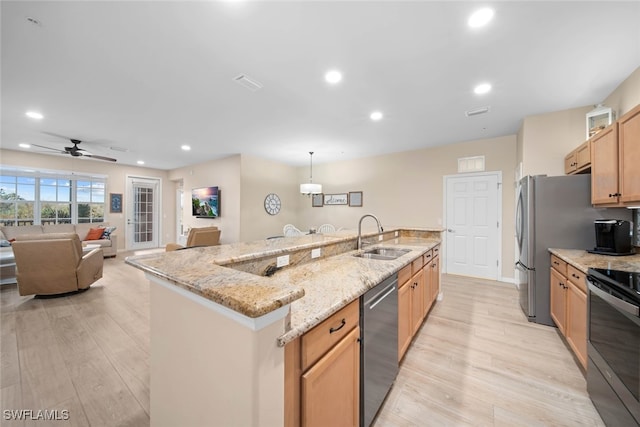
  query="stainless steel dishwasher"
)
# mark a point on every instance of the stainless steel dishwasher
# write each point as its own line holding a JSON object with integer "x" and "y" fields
{"x": 379, "y": 356}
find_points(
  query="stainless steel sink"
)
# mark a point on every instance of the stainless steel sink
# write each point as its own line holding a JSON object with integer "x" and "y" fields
{"x": 382, "y": 253}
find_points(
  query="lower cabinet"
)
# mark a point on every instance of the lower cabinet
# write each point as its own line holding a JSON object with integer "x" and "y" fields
{"x": 576, "y": 326}
{"x": 418, "y": 287}
{"x": 568, "y": 293}
{"x": 322, "y": 373}
{"x": 331, "y": 387}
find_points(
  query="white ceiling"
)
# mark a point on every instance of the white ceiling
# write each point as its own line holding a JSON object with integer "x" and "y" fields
{"x": 150, "y": 76}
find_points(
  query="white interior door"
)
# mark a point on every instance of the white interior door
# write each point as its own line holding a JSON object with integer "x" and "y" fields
{"x": 143, "y": 208}
{"x": 473, "y": 224}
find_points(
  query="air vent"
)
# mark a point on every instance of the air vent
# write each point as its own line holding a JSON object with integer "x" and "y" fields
{"x": 122, "y": 149}
{"x": 248, "y": 82}
{"x": 477, "y": 111}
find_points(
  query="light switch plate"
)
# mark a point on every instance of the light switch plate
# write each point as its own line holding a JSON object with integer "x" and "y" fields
{"x": 395, "y": 234}
{"x": 281, "y": 261}
{"x": 315, "y": 253}
{"x": 380, "y": 237}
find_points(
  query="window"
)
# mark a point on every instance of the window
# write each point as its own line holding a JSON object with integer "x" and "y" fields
{"x": 18, "y": 199}
{"x": 55, "y": 201}
{"x": 49, "y": 198}
{"x": 90, "y": 201}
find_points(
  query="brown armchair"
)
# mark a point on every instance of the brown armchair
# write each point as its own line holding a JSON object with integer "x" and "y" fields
{"x": 203, "y": 236}
{"x": 54, "y": 263}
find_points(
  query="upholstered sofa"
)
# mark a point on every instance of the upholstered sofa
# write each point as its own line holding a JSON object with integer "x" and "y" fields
{"x": 109, "y": 246}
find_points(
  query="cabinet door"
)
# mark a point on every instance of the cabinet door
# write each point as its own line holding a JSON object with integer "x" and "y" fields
{"x": 583, "y": 155}
{"x": 417, "y": 292}
{"x": 570, "y": 163}
{"x": 576, "y": 325}
{"x": 428, "y": 291}
{"x": 435, "y": 278}
{"x": 331, "y": 387}
{"x": 629, "y": 140}
{"x": 604, "y": 166}
{"x": 404, "y": 318}
{"x": 558, "y": 299}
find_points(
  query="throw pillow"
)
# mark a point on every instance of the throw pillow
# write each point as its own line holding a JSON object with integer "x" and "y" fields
{"x": 94, "y": 234}
{"x": 5, "y": 243}
{"x": 106, "y": 234}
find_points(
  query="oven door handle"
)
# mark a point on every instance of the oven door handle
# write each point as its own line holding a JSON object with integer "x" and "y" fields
{"x": 616, "y": 302}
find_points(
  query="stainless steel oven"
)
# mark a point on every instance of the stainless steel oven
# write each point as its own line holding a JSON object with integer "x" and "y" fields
{"x": 613, "y": 371}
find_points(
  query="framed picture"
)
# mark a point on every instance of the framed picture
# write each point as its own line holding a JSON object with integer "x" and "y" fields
{"x": 355, "y": 198}
{"x": 115, "y": 202}
{"x": 317, "y": 200}
{"x": 336, "y": 199}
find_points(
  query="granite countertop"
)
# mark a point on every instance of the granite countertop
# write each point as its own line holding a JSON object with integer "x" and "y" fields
{"x": 584, "y": 260}
{"x": 315, "y": 289}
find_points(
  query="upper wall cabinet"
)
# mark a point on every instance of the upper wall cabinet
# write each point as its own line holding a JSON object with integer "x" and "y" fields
{"x": 615, "y": 156}
{"x": 579, "y": 160}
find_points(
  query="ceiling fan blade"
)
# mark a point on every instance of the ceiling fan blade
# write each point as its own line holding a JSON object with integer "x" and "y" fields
{"x": 50, "y": 148}
{"x": 93, "y": 156}
{"x": 56, "y": 135}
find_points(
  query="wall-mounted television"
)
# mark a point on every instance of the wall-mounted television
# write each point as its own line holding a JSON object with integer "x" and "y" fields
{"x": 205, "y": 202}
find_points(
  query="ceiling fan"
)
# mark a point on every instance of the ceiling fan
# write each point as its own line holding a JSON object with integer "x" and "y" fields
{"x": 75, "y": 151}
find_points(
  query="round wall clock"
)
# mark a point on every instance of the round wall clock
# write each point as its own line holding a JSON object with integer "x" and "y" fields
{"x": 272, "y": 204}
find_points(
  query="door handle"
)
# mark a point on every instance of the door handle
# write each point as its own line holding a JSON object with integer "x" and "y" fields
{"x": 451, "y": 230}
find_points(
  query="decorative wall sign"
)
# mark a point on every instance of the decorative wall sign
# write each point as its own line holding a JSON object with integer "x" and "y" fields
{"x": 336, "y": 199}
{"x": 317, "y": 200}
{"x": 355, "y": 198}
{"x": 115, "y": 203}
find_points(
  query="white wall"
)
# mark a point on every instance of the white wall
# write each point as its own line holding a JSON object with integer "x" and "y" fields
{"x": 224, "y": 173}
{"x": 406, "y": 189}
{"x": 259, "y": 178}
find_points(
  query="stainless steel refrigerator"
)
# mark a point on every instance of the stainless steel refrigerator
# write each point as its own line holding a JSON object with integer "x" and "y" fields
{"x": 552, "y": 212}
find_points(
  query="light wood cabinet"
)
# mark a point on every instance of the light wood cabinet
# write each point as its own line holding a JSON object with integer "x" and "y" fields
{"x": 629, "y": 141}
{"x": 417, "y": 311}
{"x": 331, "y": 387}
{"x": 419, "y": 284}
{"x": 404, "y": 318}
{"x": 435, "y": 274}
{"x": 578, "y": 160}
{"x": 322, "y": 373}
{"x": 558, "y": 295}
{"x": 615, "y": 154}
{"x": 604, "y": 166}
{"x": 568, "y": 295}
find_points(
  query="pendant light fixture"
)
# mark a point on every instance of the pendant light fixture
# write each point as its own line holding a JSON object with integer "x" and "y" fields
{"x": 310, "y": 188}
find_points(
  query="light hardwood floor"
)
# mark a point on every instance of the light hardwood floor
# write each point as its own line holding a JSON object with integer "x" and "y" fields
{"x": 476, "y": 361}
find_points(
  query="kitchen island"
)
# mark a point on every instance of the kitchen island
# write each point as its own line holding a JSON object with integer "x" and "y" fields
{"x": 221, "y": 316}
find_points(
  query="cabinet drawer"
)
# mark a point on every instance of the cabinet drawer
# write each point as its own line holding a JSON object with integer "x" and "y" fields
{"x": 436, "y": 251}
{"x": 576, "y": 277}
{"x": 427, "y": 257}
{"x": 320, "y": 339}
{"x": 559, "y": 265}
{"x": 416, "y": 265}
{"x": 404, "y": 275}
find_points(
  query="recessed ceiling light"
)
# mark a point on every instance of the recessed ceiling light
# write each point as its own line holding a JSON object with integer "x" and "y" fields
{"x": 376, "y": 115}
{"x": 34, "y": 115}
{"x": 23, "y": 145}
{"x": 480, "y": 18}
{"x": 140, "y": 162}
{"x": 185, "y": 147}
{"x": 333, "y": 76}
{"x": 481, "y": 89}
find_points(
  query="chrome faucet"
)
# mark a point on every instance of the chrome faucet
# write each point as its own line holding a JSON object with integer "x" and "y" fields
{"x": 380, "y": 229}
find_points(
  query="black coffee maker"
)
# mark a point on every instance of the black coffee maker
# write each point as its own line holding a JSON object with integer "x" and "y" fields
{"x": 613, "y": 237}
